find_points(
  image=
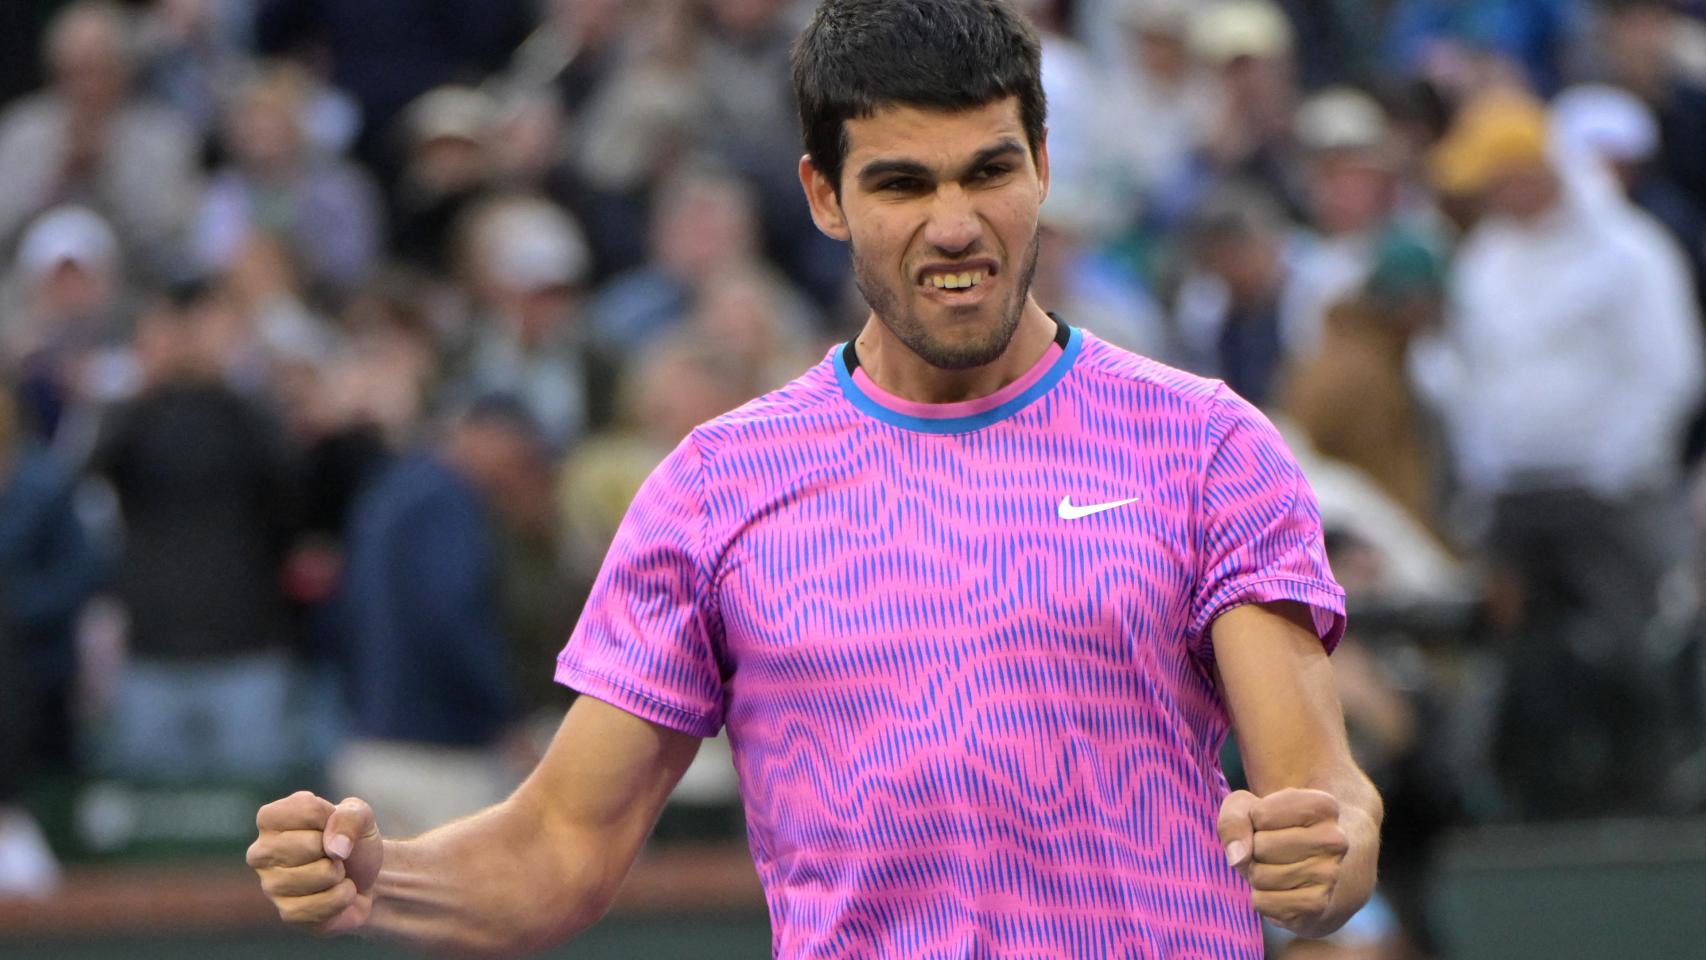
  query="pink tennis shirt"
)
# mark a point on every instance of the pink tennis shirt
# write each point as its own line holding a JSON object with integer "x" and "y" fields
{"x": 961, "y": 650}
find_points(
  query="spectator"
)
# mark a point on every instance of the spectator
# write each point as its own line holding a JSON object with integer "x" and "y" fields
{"x": 1353, "y": 396}
{"x": 48, "y": 569}
{"x": 205, "y": 487}
{"x": 1530, "y": 42}
{"x": 447, "y": 170}
{"x": 704, "y": 225}
{"x": 1610, "y": 132}
{"x": 1642, "y": 55}
{"x": 1352, "y": 166}
{"x": 1159, "y": 99}
{"x": 752, "y": 124}
{"x": 86, "y": 140}
{"x": 1249, "y": 43}
{"x": 1566, "y": 373}
{"x": 528, "y": 262}
{"x": 322, "y": 210}
{"x": 1227, "y": 309}
{"x": 66, "y": 339}
{"x": 192, "y": 53}
{"x": 429, "y": 661}
{"x": 386, "y": 53}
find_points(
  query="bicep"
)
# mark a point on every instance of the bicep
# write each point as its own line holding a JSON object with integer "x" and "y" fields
{"x": 1278, "y": 687}
{"x": 606, "y": 776}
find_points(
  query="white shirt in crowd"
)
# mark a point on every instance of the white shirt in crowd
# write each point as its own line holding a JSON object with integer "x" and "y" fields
{"x": 1573, "y": 354}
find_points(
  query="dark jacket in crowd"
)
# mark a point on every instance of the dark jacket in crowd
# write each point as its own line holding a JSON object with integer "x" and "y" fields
{"x": 48, "y": 567}
{"x": 206, "y": 489}
{"x": 421, "y": 611}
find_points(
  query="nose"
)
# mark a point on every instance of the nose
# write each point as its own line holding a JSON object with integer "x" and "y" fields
{"x": 953, "y": 227}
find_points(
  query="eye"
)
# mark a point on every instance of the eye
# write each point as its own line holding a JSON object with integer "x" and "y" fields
{"x": 900, "y": 185}
{"x": 994, "y": 171}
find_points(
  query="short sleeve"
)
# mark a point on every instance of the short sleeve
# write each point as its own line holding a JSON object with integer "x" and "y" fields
{"x": 1259, "y": 535}
{"x": 644, "y": 642}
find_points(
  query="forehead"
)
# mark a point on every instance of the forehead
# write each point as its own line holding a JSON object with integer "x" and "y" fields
{"x": 931, "y": 136}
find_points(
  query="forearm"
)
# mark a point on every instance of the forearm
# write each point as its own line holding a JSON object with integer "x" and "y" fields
{"x": 500, "y": 883}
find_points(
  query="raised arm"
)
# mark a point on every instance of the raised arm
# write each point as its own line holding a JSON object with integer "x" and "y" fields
{"x": 533, "y": 870}
{"x": 1307, "y": 834}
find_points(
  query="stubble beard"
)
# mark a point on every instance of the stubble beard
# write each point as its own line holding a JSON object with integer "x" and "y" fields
{"x": 885, "y": 302}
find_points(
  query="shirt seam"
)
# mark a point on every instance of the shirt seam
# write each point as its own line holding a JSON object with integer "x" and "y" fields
{"x": 577, "y": 670}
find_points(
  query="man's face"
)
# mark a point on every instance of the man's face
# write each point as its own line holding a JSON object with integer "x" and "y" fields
{"x": 940, "y": 208}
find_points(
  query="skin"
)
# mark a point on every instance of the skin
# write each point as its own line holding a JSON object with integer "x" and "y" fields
{"x": 926, "y": 191}
{"x": 545, "y": 863}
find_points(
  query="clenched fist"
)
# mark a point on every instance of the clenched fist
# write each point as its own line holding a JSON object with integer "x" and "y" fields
{"x": 317, "y": 862}
{"x": 1289, "y": 845}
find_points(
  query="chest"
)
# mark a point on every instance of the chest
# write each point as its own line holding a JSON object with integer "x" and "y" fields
{"x": 1028, "y": 549}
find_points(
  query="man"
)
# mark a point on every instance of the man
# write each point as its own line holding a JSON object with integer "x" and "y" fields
{"x": 85, "y": 139}
{"x": 1566, "y": 375}
{"x": 976, "y": 598}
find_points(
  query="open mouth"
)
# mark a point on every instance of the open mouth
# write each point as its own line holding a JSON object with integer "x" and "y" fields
{"x": 956, "y": 279}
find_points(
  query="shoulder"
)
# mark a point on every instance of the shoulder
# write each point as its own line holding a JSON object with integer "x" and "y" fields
{"x": 1145, "y": 385}
{"x": 793, "y": 411}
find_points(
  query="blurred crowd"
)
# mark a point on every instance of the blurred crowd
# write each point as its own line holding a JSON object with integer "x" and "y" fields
{"x": 335, "y": 336}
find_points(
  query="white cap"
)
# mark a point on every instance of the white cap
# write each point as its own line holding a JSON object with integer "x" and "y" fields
{"x": 534, "y": 245}
{"x": 452, "y": 113}
{"x": 1341, "y": 118}
{"x": 68, "y": 235}
{"x": 1229, "y": 29}
{"x": 1603, "y": 122}
{"x": 1157, "y": 16}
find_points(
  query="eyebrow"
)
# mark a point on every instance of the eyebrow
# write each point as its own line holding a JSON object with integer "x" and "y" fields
{"x": 912, "y": 168}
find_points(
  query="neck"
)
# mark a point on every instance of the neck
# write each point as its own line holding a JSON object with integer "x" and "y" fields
{"x": 893, "y": 366}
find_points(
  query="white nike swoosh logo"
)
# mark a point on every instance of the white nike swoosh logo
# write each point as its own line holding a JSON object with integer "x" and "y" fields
{"x": 1069, "y": 512}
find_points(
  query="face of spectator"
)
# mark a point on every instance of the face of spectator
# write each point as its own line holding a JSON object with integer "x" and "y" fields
{"x": 449, "y": 164}
{"x": 266, "y": 132}
{"x": 676, "y": 388}
{"x": 1162, "y": 54}
{"x": 739, "y": 314}
{"x": 1522, "y": 193}
{"x": 502, "y": 461}
{"x": 75, "y": 289}
{"x": 88, "y": 64}
{"x": 941, "y": 209}
{"x": 1247, "y": 263}
{"x": 526, "y": 144}
{"x": 1348, "y": 192}
{"x": 702, "y": 225}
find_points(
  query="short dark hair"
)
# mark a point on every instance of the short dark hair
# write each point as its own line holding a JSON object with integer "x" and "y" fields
{"x": 858, "y": 56}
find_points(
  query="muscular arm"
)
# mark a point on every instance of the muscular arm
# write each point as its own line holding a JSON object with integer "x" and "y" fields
{"x": 535, "y": 869}
{"x": 1278, "y": 686}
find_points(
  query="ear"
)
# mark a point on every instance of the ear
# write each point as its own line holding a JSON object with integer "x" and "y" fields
{"x": 1042, "y": 166}
{"x": 825, "y": 205}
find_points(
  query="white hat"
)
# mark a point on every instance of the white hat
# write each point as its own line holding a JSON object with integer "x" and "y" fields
{"x": 451, "y": 112}
{"x": 1603, "y": 122}
{"x": 1341, "y": 118}
{"x": 1157, "y": 16}
{"x": 534, "y": 245}
{"x": 1225, "y": 31}
{"x": 68, "y": 234}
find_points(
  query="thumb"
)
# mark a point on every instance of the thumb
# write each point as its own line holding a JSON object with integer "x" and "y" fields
{"x": 1237, "y": 833}
{"x": 352, "y": 835}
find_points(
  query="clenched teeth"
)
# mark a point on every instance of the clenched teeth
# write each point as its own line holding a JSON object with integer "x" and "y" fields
{"x": 956, "y": 281}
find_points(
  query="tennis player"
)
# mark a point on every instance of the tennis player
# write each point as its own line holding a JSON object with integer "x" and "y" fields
{"x": 977, "y": 599}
